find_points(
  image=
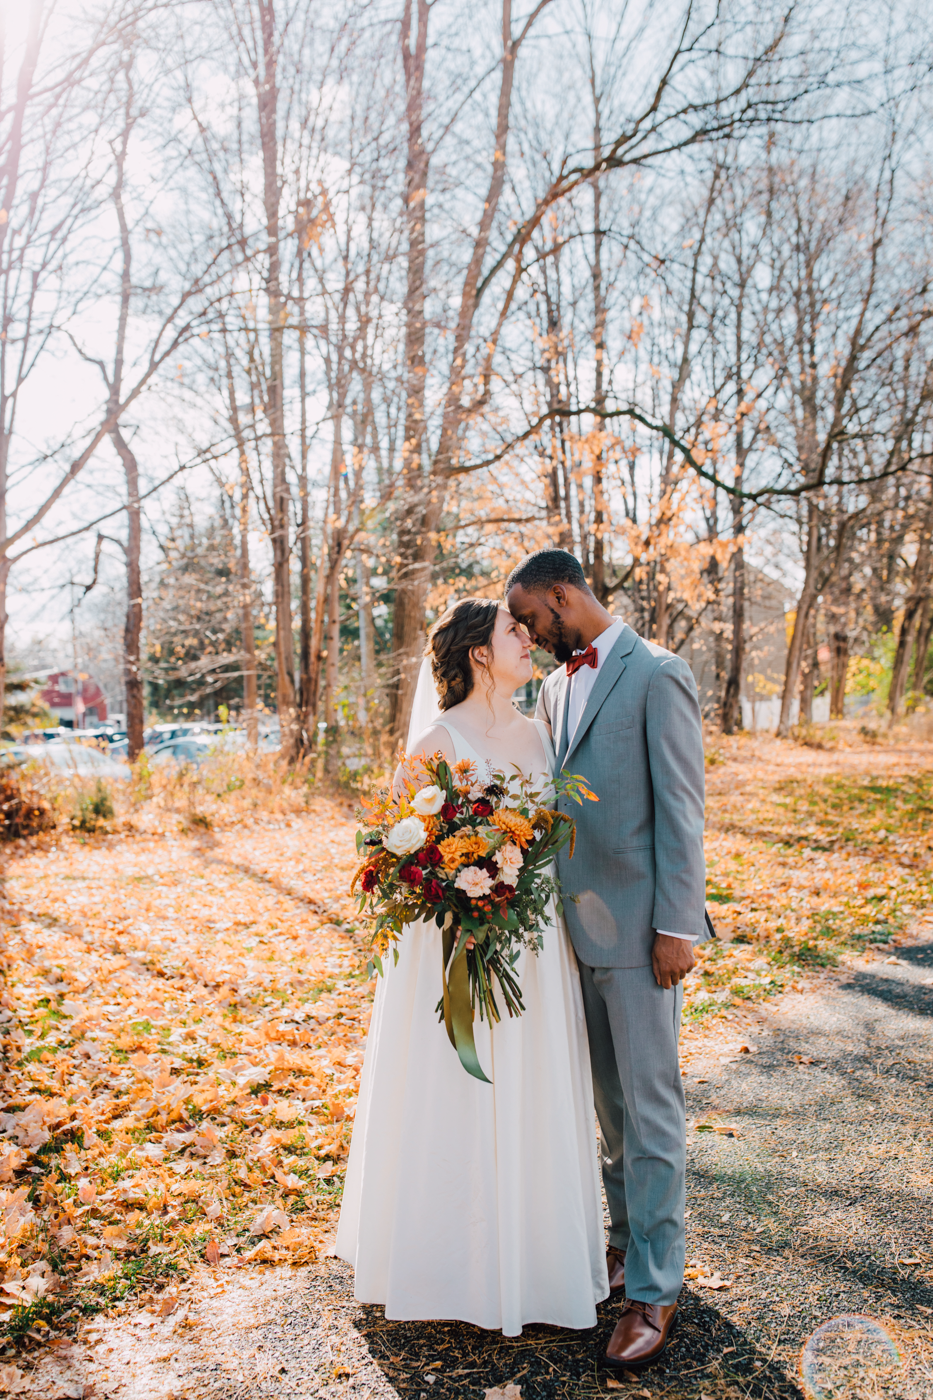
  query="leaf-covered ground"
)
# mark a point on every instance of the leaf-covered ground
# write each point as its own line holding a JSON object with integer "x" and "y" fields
{"x": 809, "y": 854}
{"x": 184, "y": 1015}
{"x": 183, "y": 1025}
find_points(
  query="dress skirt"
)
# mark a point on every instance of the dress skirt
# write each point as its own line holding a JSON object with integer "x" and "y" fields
{"x": 471, "y": 1201}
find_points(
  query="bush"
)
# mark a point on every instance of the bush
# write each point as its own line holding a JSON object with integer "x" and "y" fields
{"x": 93, "y": 808}
{"x": 815, "y": 736}
{"x": 23, "y": 811}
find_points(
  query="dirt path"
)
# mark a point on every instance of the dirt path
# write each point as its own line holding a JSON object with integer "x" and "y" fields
{"x": 809, "y": 1188}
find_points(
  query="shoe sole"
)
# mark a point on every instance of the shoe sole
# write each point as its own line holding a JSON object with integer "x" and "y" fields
{"x": 648, "y": 1360}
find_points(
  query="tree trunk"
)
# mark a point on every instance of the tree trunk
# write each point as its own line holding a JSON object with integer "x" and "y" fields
{"x": 413, "y": 570}
{"x": 417, "y": 541}
{"x": 795, "y": 651}
{"x": 4, "y": 576}
{"x": 599, "y": 349}
{"x": 913, "y": 608}
{"x": 305, "y": 667}
{"x": 250, "y": 705}
{"x": 808, "y": 681}
{"x": 364, "y": 612}
{"x": 250, "y": 709}
{"x": 839, "y": 670}
{"x": 924, "y": 631}
{"x": 267, "y": 97}
{"x": 132, "y": 631}
{"x": 732, "y": 697}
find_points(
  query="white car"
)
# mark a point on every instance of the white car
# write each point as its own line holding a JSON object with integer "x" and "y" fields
{"x": 78, "y": 760}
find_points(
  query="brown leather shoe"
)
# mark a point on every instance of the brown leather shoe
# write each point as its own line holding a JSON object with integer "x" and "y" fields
{"x": 615, "y": 1263}
{"x": 641, "y": 1334}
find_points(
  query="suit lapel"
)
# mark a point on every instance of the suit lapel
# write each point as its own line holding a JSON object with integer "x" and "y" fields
{"x": 609, "y": 673}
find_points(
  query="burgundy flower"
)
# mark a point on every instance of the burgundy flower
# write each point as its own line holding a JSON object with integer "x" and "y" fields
{"x": 449, "y": 811}
{"x": 482, "y": 808}
{"x": 490, "y": 868}
{"x": 429, "y": 855}
{"x": 412, "y": 874}
{"x": 503, "y": 891}
{"x": 369, "y": 880}
{"x": 432, "y": 890}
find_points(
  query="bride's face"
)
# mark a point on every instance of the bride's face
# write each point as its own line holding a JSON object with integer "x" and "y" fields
{"x": 509, "y": 658}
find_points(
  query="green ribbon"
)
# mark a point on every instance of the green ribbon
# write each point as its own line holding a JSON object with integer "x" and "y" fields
{"x": 458, "y": 1011}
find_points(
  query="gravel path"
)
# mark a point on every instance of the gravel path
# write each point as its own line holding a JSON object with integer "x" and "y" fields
{"x": 809, "y": 1195}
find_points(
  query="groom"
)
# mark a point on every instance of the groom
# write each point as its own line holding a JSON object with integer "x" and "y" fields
{"x": 624, "y": 713}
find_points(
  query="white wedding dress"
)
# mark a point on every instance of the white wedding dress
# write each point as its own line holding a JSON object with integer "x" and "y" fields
{"x": 471, "y": 1201}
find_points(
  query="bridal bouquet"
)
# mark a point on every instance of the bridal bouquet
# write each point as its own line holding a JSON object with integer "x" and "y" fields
{"x": 471, "y": 853}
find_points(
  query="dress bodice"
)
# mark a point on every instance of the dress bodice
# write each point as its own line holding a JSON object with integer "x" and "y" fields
{"x": 465, "y": 750}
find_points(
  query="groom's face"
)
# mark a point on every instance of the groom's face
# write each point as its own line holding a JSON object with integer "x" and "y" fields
{"x": 545, "y": 617}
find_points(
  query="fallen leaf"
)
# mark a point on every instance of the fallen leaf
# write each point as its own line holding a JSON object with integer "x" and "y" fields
{"x": 911, "y": 1261}
{"x": 506, "y": 1392}
{"x": 714, "y": 1281}
{"x": 87, "y": 1193}
{"x": 212, "y": 1253}
{"x": 270, "y": 1218}
{"x": 12, "y": 1379}
{"x": 167, "y": 1305}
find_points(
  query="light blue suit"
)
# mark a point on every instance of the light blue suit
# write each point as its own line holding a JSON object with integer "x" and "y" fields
{"x": 638, "y": 866}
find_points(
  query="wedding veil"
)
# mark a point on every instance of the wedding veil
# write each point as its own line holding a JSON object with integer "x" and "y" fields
{"x": 425, "y": 710}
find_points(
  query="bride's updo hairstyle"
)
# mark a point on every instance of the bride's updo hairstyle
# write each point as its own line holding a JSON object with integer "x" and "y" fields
{"x": 468, "y": 624}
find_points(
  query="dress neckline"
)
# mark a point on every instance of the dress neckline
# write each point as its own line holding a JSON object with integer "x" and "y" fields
{"x": 460, "y": 739}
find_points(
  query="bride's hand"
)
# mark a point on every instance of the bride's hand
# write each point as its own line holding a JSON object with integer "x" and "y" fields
{"x": 470, "y": 943}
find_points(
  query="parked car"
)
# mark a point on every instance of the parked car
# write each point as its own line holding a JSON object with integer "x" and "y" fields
{"x": 158, "y": 734}
{"x": 71, "y": 758}
{"x": 185, "y": 750}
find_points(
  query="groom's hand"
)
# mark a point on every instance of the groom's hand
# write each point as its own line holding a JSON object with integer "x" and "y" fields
{"x": 671, "y": 959}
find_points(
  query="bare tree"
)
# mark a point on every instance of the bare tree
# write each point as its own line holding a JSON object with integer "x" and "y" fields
{"x": 56, "y": 181}
{"x": 662, "y": 124}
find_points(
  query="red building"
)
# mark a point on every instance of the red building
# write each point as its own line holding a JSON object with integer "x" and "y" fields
{"x": 75, "y": 699}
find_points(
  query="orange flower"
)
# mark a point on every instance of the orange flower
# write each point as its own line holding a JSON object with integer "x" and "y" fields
{"x": 542, "y": 819}
{"x": 456, "y": 850}
{"x": 514, "y": 824}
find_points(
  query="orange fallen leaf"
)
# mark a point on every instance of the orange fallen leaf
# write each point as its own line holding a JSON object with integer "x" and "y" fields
{"x": 212, "y": 1253}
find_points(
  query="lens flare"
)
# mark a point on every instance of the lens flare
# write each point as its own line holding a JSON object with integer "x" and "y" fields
{"x": 843, "y": 1351}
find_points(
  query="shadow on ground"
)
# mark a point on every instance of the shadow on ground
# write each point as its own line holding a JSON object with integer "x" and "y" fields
{"x": 707, "y": 1353}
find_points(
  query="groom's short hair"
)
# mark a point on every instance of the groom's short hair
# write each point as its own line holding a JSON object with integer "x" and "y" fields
{"x": 540, "y": 571}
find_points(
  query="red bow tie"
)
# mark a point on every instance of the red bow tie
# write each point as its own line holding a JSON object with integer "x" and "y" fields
{"x": 584, "y": 658}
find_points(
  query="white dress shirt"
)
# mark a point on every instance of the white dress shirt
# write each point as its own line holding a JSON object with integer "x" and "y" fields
{"x": 581, "y": 688}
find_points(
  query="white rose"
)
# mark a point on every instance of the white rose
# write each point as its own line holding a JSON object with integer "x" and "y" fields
{"x": 405, "y": 837}
{"x": 429, "y": 800}
{"x": 473, "y": 882}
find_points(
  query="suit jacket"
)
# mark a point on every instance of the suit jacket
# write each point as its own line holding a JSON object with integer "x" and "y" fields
{"x": 638, "y": 864}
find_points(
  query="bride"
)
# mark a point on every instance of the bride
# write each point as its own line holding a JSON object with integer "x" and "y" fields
{"x": 463, "y": 1200}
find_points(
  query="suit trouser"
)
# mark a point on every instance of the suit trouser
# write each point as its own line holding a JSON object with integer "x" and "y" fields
{"x": 633, "y": 1027}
